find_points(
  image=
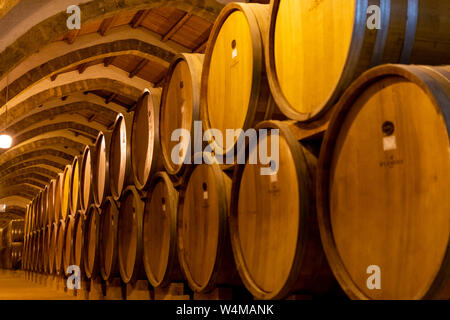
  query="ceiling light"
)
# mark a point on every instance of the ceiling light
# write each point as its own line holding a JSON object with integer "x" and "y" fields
{"x": 5, "y": 141}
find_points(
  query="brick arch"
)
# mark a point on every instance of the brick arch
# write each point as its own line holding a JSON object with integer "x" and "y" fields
{"x": 66, "y": 125}
{"x": 32, "y": 179}
{"x": 57, "y": 143}
{"x": 48, "y": 152}
{"x": 61, "y": 108}
{"x": 27, "y": 106}
{"x": 49, "y": 29}
{"x": 45, "y": 174}
{"x": 40, "y": 162}
{"x": 114, "y": 48}
{"x": 23, "y": 190}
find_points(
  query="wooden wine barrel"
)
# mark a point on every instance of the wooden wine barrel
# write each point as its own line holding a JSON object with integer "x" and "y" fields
{"x": 384, "y": 176}
{"x": 33, "y": 215}
{"x": 65, "y": 192}
{"x": 180, "y": 107}
{"x": 40, "y": 245}
{"x": 13, "y": 255}
{"x": 25, "y": 241}
{"x": 273, "y": 222}
{"x": 74, "y": 190}
{"x": 100, "y": 167}
{"x": 58, "y": 196}
{"x": 16, "y": 230}
{"x": 129, "y": 235}
{"x": 52, "y": 247}
{"x": 44, "y": 207}
{"x": 108, "y": 241}
{"x": 78, "y": 240}
{"x": 67, "y": 257}
{"x": 91, "y": 240}
{"x": 86, "y": 176}
{"x": 51, "y": 194}
{"x": 26, "y": 255}
{"x": 146, "y": 157}
{"x": 27, "y": 217}
{"x": 37, "y": 212}
{"x": 160, "y": 232}
{"x": 29, "y": 252}
{"x": 45, "y": 248}
{"x": 32, "y": 251}
{"x": 234, "y": 89}
{"x": 60, "y": 242}
{"x": 120, "y": 169}
{"x": 204, "y": 248}
{"x": 333, "y": 46}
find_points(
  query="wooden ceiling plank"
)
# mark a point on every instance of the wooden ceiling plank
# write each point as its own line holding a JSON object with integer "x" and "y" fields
{"x": 176, "y": 27}
{"x": 138, "y": 18}
{"x": 138, "y": 68}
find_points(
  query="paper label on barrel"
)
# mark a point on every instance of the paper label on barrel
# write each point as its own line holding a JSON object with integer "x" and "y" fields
{"x": 234, "y": 53}
{"x": 389, "y": 143}
{"x": 205, "y": 195}
{"x": 164, "y": 207}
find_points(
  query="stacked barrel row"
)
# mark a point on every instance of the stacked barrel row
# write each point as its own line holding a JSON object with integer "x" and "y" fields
{"x": 12, "y": 244}
{"x": 371, "y": 190}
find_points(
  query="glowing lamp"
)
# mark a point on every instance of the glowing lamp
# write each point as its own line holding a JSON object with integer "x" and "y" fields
{"x": 5, "y": 141}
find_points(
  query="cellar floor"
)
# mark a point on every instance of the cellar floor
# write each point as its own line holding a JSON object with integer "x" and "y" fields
{"x": 14, "y": 285}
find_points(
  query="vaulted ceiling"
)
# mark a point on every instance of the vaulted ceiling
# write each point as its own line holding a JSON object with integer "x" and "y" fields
{"x": 62, "y": 86}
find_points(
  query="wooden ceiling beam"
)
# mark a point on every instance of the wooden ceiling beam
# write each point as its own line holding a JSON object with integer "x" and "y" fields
{"x": 138, "y": 18}
{"x": 82, "y": 67}
{"x": 111, "y": 98}
{"x": 106, "y": 25}
{"x": 72, "y": 35}
{"x": 108, "y": 61}
{"x": 176, "y": 27}
{"x": 92, "y": 118}
{"x": 160, "y": 80}
{"x": 201, "y": 48}
{"x": 138, "y": 68}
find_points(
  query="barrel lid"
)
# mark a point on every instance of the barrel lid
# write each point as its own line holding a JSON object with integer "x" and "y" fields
{"x": 271, "y": 213}
{"x": 91, "y": 240}
{"x": 159, "y": 236}
{"x": 145, "y": 138}
{"x": 322, "y": 35}
{"x": 129, "y": 238}
{"x": 204, "y": 207}
{"x": 179, "y": 106}
{"x": 231, "y": 75}
{"x": 383, "y": 184}
{"x": 108, "y": 241}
